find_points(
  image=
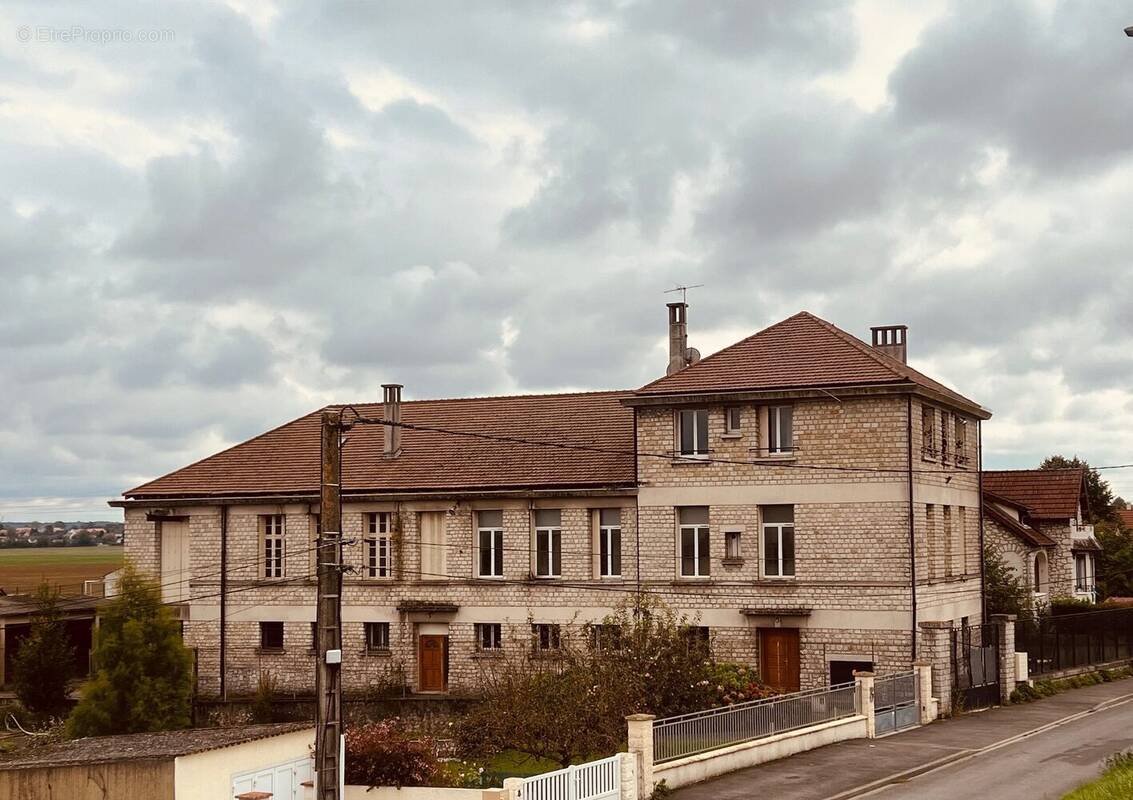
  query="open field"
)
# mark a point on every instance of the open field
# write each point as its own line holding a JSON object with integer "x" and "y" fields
{"x": 21, "y": 570}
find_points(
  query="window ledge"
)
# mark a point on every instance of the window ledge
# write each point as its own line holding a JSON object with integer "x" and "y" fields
{"x": 774, "y": 458}
{"x": 777, "y": 580}
{"x": 545, "y": 578}
{"x": 270, "y": 651}
{"x": 689, "y": 460}
{"x": 738, "y": 561}
{"x": 495, "y": 578}
{"x": 379, "y": 652}
{"x": 735, "y": 435}
{"x": 692, "y": 579}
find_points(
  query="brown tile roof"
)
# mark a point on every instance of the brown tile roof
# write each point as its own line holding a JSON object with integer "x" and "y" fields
{"x": 286, "y": 459}
{"x": 1047, "y": 493}
{"x": 1126, "y": 518}
{"x": 144, "y": 746}
{"x": 1024, "y": 532}
{"x": 801, "y": 351}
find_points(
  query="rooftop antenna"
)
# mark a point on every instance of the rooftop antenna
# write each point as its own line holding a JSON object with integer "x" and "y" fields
{"x": 683, "y": 290}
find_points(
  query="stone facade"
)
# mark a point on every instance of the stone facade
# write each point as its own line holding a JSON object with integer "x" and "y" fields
{"x": 851, "y": 597}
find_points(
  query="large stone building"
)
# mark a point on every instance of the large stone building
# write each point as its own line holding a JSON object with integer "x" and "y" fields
{"x": 809, "y": 498}
{"x": 1036, "y": 519}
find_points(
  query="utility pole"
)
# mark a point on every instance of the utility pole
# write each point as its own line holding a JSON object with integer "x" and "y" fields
{"x": 328, "y": 615}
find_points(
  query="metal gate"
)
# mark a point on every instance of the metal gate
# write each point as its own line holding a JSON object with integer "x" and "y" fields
{"x": 975, "y": 665}
{"x": 895, "y": 702}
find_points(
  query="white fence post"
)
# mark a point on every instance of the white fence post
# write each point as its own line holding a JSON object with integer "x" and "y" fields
{"x": 924, "y": 691}
{"x": 512, "y": 787}
{"x": 864, "y": 681}
{"x": 640, "y": 739}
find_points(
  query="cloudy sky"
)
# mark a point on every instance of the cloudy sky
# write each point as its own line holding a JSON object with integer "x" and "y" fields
{"x": 217, "y": 217}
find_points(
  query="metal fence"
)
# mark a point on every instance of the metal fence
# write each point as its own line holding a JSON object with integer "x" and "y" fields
{"x": 700, "y": 731}
{"x": 895, "y": 705}
{"x": 595, "y": 780}
{"x": 1066, "y": 641}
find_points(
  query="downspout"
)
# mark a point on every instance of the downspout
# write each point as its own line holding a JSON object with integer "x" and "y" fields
{"x": 223, "y": 596}
{"x": 637, "y": 515}
{"x": 980, "y": 467}
{"x": 912, "y": 516}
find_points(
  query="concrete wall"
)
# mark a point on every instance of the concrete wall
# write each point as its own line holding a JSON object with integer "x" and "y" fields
{"x": 694, "y": 769}
{"x": 208, "y": 775}
{"x": 135, "y": 780}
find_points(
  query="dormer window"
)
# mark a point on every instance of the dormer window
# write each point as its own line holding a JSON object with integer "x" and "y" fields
{"x": 693, "y": 433}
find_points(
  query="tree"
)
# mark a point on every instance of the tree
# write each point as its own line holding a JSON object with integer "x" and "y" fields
{"x": 1005, "y": 591}
{"x": 1098, "y": 493}
{"x": 45, "y": 662}
{"x": 144, "y": 673}
{"x": 569, "y": 705}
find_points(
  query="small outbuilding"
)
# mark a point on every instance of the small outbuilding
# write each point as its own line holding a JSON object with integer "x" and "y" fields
{"x": 192, "y": 764}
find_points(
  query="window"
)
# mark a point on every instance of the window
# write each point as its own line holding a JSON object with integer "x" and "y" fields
{"x": 733, "y": 420}
{"x": 488, "y": 636}
{"x": 490, "y": 544}
{"x": 949, "y": 543}
{"x": 545, "y": 636}
{"x": 315, "y": 636}
{"x": 694, "y": 541}
{"x": 943, "y": 436}
{"x": 961, "y": 441}
{"x": 694, "y": 433}
{"x": 732, "y": 550}
{"x": 697, "y": 638}
{"x": 778, "y": 541}
{"x": 272, "y": 527}
{"x": 928, "y": 432}
{"x": 610, "y": 542}
{"x": 930, "y": 538}
{"x": 1083, "y": 572}
{"x": 433, "y": 561}
{"x": 271, "y": 635}
{"x": 548, "y": 543}
{"x": 313, "y": 528}
{"x": 606, "y": 637}
{"x": 377, "y": 636}
{"x": 379, "y": 546}
{"x": 780, "y": 430}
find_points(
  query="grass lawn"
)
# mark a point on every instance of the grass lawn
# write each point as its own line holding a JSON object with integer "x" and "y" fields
{"x": 1115, "y": 784}
{"x": 23, "y": 569}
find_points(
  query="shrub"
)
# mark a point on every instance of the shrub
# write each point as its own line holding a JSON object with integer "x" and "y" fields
{"x": 1069, "y": 605}
{"x": 384, "y": 754}
{"x": 263, "y": 703}
{"x": 44, "y": 663}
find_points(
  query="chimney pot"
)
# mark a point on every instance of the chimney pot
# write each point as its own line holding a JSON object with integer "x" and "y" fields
{"x": 391, "y": 412}
{"x": 679, "y": 354}
{"x": 891, "y": 340}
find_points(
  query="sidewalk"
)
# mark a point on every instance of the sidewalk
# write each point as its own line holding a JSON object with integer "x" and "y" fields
{"x": 837, "y": 770}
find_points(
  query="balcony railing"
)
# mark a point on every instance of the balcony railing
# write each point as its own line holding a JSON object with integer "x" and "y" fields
{"x": 1082, "y": 531}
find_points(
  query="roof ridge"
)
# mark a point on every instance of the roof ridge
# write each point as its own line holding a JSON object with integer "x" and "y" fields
{"x": 744, "y": 340}
{"x": 584, "y": 393}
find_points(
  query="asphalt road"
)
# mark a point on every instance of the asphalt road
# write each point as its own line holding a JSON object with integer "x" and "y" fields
{"x": 1045, "y": 765}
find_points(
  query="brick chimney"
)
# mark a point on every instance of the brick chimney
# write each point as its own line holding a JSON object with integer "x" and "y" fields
{"x": 680, "y": 354}
{"x": 890, "y": 339}
{"x": 391, "y": 412}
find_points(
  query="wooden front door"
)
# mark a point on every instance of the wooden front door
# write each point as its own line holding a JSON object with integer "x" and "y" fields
{"x": 433, "y": 651}
{"x": 779, "y": 658}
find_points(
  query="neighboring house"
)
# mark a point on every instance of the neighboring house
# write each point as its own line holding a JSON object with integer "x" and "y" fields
{"x": 763, "y": 491}
{"x": 196, "y": 764}
{"x": 16, "y": 613}
{"x": 1036, "y": 518}
{"x": 1126, "y": 518}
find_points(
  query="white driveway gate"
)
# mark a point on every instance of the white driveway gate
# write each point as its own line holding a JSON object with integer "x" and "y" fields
{"x": 596, "y": 780}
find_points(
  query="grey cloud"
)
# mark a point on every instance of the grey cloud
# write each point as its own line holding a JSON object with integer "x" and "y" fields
{"x": 408, "y": 117}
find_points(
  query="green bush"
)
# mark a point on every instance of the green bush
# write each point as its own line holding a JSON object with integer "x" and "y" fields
{"x": 45, "y": 661}
{"x": 144, "y": 673}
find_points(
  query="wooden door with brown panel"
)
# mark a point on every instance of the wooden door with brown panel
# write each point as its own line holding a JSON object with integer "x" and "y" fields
{"x": 432, "y": 662}
{"x": 779, "y": 658}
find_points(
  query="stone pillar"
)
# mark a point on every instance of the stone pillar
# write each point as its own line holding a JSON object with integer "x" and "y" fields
{"x": 640, "y": 739}
{"x": 927, "y": 702}
{"x": 512, "y": 787}
{"x": 864, "y": 680}
{"x": 1006, "y": 625}
{"x": 936, "y": 648}
{"x": 628, "y": 765}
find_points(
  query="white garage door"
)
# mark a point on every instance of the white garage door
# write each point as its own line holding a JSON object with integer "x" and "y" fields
{"x": 284, "y": 781}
